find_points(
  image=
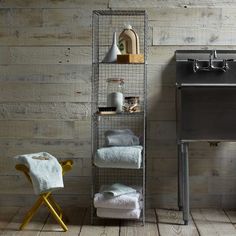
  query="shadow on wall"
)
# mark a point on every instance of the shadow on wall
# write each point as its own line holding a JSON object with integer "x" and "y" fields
{"x": 161, "y": 136}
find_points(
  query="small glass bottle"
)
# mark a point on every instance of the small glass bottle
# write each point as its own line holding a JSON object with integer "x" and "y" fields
{"x": 115, "y": 91}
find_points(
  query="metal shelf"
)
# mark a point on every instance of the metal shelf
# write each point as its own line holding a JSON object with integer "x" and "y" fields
{"x": 105, "y": 23}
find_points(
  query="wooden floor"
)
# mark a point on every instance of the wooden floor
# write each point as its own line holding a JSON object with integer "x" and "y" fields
{"x": 163, "y": 222}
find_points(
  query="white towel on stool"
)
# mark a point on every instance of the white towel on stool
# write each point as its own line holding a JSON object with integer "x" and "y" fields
{"x": 44, "y": 170}
{"x": 119, "y": 213}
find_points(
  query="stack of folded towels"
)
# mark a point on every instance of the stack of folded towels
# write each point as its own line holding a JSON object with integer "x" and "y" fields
{"x": 122, "y": 150}
{"x": 118, "y": 201}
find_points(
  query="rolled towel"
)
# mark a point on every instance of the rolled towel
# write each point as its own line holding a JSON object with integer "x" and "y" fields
{"x": 125, "y": 201}
{"x": 119, "y": 213}
{"x": 119, "y": 157}
{"x": 121, "y": 140}
{"x": 44, "y": 170}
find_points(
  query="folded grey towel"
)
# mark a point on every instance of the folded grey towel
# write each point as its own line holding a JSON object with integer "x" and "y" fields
{"x": 119, "y": 157}
{"x": 121, "y": 140}
{"x": 118, "y": 131}
{"x": 117, "y": 189}
{"x": 120, "y": 137}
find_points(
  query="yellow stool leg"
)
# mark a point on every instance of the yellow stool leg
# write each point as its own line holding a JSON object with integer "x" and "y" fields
{"x": 55, "y": 205}
{"x": 54, "y": 213}
{"x": 31, "y": 212}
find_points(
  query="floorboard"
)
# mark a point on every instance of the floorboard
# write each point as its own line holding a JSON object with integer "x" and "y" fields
{"x": 106, "y": 227}
{"x": 6, "y": 215}
{"x": 75, "y": 217}
{"x": 159, "y": 222}
{"x": 213, "y": 222}
{"x": 32, "y": 229}
{"x": 170, "y": 223}
{"x": 134, "y": 228}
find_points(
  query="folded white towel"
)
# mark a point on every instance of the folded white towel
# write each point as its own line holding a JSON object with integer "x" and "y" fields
{"x": 119, "y": 213}
{"x": 119, "y": 157}
{"x": 44, "y": 169}
{"x": 125, "y": 201}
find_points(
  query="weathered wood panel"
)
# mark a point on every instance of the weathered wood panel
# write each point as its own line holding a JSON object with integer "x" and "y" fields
{"x": 201, "y": 17}
{"x": 193, "y": 36}
{"x": 169, "y": 201}
{"x": 45, "y": 27}
{"x": 160, "y": 111}
{"x": 46, "y": 36}
{"x": 80, "y": 200}
{"x": 166, "y": 55}
{"x": 161, "y": 130}
{"x": 58, "y": 147}
{"x": 39, "y": 110}
{"x": 48, "y": 60}
{"x": 222, "y": 185}
{"x": 161, "y": 74}
{"x": 46, "y": 73}
{"x": 36, "y": 92}
{"x": 18, "y": 184}
{"x": 87, "y": 5}
{"x": 211, "y": 167}
{"x": 229, "y": 201}
{"x": 167, "y": 185}
{"x": 46, "y": 55}
{"x": 169, "y": 3}
{"x": 60, "y": 17}
{"x": 11, "y": 17}
{"x": 55, "y": 129}
{"x": 207, "y": 26}
{"x": 81, "y": 167}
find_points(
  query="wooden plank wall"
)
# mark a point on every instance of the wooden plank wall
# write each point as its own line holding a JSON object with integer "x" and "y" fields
{"x": 45, "y": 88}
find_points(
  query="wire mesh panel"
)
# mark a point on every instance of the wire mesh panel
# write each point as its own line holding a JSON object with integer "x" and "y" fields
{"x": 133, "y": 75}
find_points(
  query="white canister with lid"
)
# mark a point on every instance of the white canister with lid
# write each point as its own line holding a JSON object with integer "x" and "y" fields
{"x": 115, "y": 97}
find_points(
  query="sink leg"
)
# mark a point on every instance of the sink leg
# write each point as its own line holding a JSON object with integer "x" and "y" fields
{"x": 184, "y": 151}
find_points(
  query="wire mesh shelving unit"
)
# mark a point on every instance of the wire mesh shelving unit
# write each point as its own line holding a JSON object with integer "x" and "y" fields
{"x": 105, "y": 23}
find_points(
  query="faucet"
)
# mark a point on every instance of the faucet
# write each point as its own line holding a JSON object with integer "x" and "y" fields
{"x": 212, "y": 56}
{"x": 210, "y": 67}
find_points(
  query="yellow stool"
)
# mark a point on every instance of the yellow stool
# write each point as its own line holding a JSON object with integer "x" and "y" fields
{"x": 45, "y": 198}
